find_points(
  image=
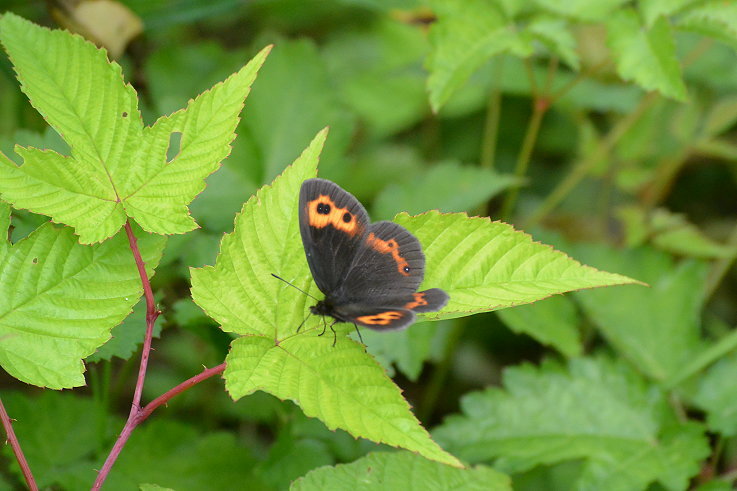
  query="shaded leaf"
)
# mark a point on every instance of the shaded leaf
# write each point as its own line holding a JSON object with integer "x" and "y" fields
{"x": 646, "y": 56}
{"x": 401, "y": 470}
{"x": 595, "y": 410}
{"x": 717, "y": 395}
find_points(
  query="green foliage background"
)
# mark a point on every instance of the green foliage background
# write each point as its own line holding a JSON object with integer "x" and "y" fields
{"x": 605, "y": 128}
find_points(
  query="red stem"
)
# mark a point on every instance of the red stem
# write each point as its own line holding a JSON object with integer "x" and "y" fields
{"x": 151, "y": 315}
{"x": 8, "y": 425}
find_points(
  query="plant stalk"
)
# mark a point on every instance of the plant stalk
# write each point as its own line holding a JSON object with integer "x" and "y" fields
{"x": 15, "y": 445}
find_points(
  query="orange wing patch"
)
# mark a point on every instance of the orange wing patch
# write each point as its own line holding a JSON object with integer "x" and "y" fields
{"x": 389, "y": 247}
{"x": 322, "y": 212}
{"x": 382, "y": 319}
{"x": 419, "y": 301}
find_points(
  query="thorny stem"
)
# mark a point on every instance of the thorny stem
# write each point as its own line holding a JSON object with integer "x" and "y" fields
{"x": 137, "y": 414}
{"x": 15, "y": 444}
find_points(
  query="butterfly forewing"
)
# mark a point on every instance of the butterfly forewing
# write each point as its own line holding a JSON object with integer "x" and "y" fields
{"x": 333, "y": 225}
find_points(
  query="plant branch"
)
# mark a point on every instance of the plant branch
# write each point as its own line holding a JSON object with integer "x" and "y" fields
{"x": 15, "y": 444}
{"x": 583, "y": 168}
{"x": 491, "y": 125}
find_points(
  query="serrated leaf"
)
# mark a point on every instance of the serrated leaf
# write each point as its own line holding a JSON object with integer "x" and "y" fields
{"x": 446, "y": 187}
{"x": 717, "y": 395}
{"x": 556, "y": 35}
{"x": 485, "y": 265}
{"x": 341, "y": 385}
{"x": 716, "y": 19}
{"x": 179, "y": 456}
{"x": 466, "y": 35}
{"x": 401, "y": 470}
{"x": 553, "y": 321}
{"x": 59, "y": 300}
{"x": 59, "y": 432}
{"x": 656, "y": 328}
{"x": 127, "y": 336}
{"x": 595, "y": 410}
{"x": 117, "y": 168}
{"x": 584, "y": 10}
{"x": 652, "y": 9}
{"x": 646, "y": 56}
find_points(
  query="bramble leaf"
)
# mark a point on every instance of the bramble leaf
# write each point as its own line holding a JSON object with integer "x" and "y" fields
{"x": 596, "y": 410}
{"x": 646, "y": 56}
{"x": 657, "y": 328}
{"x": 485, "y": 265}
{"x": 553, "y": 321}
{"x": 117, "y": 168}
{"x": 466, "y": 34}
{"x": 447, "y": 187}
{"x": 59, "y": 300}
{"x": 713, "y": 19}
{"x": 342, "y": 386}
{"x": 401, "y": 470}
{"x": 717, "y": 395}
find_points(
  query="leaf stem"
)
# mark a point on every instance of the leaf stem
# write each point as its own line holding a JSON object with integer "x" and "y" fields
{"x": 143, "y": 413}
{"x": 720, "y": 267}
{"x": 582, "y": 169}
{"x": 15, "y": 444}
{"x": 440, "y": 374}
{"x": 491, "y": 125}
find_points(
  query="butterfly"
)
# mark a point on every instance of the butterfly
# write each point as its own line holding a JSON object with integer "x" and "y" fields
{"x": 368, "y": 272}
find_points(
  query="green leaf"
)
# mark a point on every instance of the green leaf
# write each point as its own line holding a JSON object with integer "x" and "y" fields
{"x": 717, "y": 395}
{"x": 652, "y": 9}
{"x": 283, "y": 115}
{"x": 401, "y": 470}
{"x": 117, "y": 168}
{"x": 485, "y": 265}
{"x": 341, "y": 385}
{"x": 447, "y": 187}
{"x": 716, "y": 19}
{"x": 646, "y": 56}
{"x": 584, "y": 10}
{"x": 595, "y": 410}
{"x": 656, "y": 328}
{"x": 60, "y": 299}
{"x": 466, "y": 35}
{"x": 553, "y": 321}
{"x": 556, "y": 35}
{"x": 128, "y": 336}
{"x": 59, "y": 432}
{"x": 179, "y": 456}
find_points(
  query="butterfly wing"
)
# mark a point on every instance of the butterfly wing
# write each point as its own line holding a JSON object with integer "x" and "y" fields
{"x": 396, "y": 317}
{"x": 333, "y": 225}
{"x": 388, "y": 266}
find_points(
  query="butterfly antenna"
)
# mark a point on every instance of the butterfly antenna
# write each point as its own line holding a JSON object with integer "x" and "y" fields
{"x": 297, "y": 288}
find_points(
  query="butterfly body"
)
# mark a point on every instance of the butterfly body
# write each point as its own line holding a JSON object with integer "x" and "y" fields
{"x": 369, "y": 272}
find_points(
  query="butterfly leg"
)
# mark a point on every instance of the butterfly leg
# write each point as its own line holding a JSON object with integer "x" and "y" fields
{"x": 324, "y": 326}
{"x": 303, "y": 322}
{"x": 360, "y": 338}
{"x": 335, "y": 334}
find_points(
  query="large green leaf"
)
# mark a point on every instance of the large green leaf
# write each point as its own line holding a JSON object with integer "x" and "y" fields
{"x": 595, "y": 410}
{"x": 59, "y": 300}
{"x": 646, "y": 55}
{"x": 656, "y": 328}
{"x": 341, "y": 385}
{"x": 117, "y": 168}
{"x": 487, "y": 265}
{"x": 482, "y": 265}
{"x": 401, "y": 470}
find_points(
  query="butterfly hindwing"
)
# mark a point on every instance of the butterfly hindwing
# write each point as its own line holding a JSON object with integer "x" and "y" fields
{"x": 430, "y": 300}
{"x": 333, "y": 225}
{"x": 389, "y": 265}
